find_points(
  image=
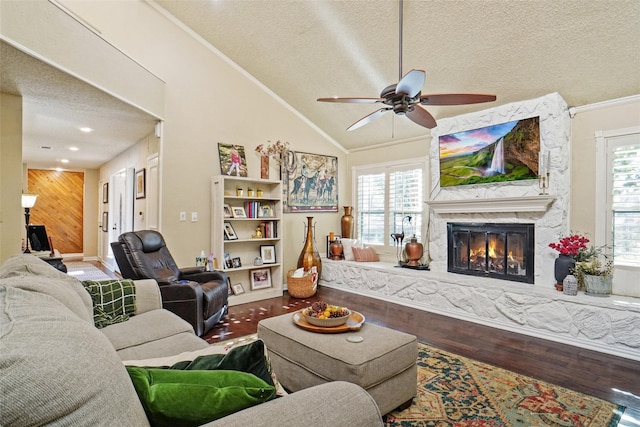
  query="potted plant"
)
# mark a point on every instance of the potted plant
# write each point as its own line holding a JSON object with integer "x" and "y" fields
{"x": 595, "y": 274}
{"x": 572, "y": 249}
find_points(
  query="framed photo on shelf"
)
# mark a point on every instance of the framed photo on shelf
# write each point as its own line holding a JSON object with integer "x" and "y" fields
{"x": 140, "y": 184}
{"x": 238, "y": 289}
{"x": 268, "y": 254}
{"x": 229, "y": 232}
{"x": 236, "y": 262}
{"x": 260, "y": 279}
{"x": 227, "y": 211}
{"x": 238, "y": 212}
{"x": 227, "y": 260}
{"x": 105, "y": 192}
{"x": 232, "y": 159}
{"x": 266, "y": 211}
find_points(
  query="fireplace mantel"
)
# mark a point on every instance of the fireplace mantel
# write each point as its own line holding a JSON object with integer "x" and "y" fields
{"x": 506, "y": 204}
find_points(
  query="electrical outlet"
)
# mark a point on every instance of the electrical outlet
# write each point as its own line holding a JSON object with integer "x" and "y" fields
{"x": 194, "y": 216}
{"x": 183, "y": 216}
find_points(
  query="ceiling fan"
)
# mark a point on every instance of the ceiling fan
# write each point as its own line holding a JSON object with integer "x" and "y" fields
{"x": 405, "y": 97}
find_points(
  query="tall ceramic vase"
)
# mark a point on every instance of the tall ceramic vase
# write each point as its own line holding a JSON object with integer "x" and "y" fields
{"x": 346, "y": 223}
{"x": 562, "y": 268}
{"x": 310, "y": 256}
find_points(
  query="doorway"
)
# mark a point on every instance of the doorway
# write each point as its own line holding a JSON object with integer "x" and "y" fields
{"x": 121, "y": 209}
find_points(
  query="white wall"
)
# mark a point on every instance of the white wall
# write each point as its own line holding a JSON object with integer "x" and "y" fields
{"x": 207, "y": 100}
{"x": 12, "y": 227}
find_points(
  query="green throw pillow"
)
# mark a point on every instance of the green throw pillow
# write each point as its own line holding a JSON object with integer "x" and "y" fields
{"x": 113, "y": 300}
{"x": 193, "y": 397}
{"x": 249, "y": 358}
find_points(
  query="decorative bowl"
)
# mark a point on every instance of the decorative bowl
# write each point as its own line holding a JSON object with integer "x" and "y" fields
{"x": 329, "y": 322}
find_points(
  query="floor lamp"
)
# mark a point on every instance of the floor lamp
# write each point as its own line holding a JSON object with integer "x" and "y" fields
{"x": 28, "y": 200}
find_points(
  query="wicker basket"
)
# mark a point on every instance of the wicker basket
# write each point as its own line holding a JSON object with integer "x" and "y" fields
{"x": 302, "y": 287}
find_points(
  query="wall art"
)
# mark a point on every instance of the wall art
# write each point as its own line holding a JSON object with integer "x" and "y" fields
{"x": 232, "y": 159}
{"x": 310, "y": 183}
{"x": 498, "y": 153}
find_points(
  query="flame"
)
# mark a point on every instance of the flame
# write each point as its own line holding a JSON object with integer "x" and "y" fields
{"x": 492, "y": 250}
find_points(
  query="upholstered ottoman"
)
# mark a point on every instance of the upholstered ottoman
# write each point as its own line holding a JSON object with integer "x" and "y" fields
{"x": 384, "y": 363}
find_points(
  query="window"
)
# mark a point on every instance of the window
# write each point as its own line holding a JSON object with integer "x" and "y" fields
{"x": 618, "y": 218}
{"x": 624, "y": 204}
{"x": 389, "y": 200}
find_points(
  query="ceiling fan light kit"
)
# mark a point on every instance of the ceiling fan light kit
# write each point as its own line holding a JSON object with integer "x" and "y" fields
{"x": 405, "y": 97}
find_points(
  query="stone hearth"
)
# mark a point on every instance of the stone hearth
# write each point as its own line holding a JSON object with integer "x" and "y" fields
{"x": 610, "y": 325}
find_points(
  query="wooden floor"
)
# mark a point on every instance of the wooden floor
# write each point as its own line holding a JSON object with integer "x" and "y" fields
{"x": 608, "y": 377}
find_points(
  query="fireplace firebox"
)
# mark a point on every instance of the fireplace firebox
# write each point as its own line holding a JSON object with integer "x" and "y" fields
{"x": 501, "y": 251}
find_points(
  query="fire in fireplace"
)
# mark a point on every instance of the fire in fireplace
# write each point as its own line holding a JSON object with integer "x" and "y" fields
{"x": 501, "y": 251}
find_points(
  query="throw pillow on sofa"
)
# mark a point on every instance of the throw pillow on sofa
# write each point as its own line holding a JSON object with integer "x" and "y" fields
{"x": 191, "y": 398}
{"x": 347, "y": 248}
{"x": 113, "y": 300}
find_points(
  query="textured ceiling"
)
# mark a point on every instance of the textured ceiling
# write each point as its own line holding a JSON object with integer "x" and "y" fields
{"x": 517, "y": 50}
{"x": 55, "y": 105}
{"x": 302, "y": 50}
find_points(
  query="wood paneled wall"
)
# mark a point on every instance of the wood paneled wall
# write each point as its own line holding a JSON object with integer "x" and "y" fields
{"x": 59, "y": 207}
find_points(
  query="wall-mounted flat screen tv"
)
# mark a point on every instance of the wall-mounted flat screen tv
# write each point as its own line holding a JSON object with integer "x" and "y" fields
{"x": 497, "y": 153}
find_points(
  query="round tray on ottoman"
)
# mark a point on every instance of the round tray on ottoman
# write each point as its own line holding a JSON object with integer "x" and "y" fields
{"x": 353, "y": 323}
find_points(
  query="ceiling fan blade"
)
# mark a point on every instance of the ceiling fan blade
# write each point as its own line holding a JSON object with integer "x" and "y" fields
{"x": 366, "y": 119}
{"x": 352, "y": 100}
{"x": 411, "y": 83}
{"x": 422, "y": 117}
{"x": 455, "y": 98}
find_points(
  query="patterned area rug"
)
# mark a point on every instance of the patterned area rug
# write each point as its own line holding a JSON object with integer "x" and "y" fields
{"x": 454, "y": 391}
{"x": 85, "y": 271}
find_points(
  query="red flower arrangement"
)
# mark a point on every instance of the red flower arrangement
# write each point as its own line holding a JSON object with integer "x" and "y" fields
{"x": 571, "y": 246}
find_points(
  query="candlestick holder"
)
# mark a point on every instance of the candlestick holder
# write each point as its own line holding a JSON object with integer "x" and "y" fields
{"x": 543, "y": 183}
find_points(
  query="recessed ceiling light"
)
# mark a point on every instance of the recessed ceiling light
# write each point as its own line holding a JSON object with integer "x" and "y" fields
{"x": 64, "y": 161}
{"x": 86, "y": 129}
{"x": 73, "y": 148}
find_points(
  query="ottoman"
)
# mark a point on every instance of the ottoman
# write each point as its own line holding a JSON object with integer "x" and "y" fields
{"x": 384, "y": 363}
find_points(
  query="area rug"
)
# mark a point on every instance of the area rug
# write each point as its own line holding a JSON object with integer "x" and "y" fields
{"x": 455, "y": 391}
{"x": 85, "y": 271}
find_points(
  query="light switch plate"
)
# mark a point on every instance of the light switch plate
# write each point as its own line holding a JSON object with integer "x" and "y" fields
{"x": 183, "y": 216}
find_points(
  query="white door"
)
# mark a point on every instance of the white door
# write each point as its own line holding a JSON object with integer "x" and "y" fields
{"x": 121, "y": 207}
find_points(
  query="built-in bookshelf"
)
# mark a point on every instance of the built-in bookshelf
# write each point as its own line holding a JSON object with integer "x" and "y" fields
{"x": 246, "y": 223}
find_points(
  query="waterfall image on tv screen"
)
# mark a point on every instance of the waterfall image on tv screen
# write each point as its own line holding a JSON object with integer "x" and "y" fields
{"x": 496, "y": 153}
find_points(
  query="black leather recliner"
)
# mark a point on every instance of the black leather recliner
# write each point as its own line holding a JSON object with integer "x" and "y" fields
{"x": 198, "y": 296}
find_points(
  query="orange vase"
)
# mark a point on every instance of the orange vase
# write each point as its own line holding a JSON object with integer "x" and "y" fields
{"x": 346, "y": 223}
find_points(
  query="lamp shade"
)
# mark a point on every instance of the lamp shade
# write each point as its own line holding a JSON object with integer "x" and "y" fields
{"x": 28, "y": 200}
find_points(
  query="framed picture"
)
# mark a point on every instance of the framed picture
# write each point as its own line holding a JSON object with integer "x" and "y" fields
{"x": 227, "y": 211}
{"x": 105, "y": 192}
{"x": 227, "y": 260}
{"x": 238, "y": 212}
{"x": 229, "y": 290}
{"x": 310, "y": 183}
{"x": 236, "y": 262}
{"x": 261, "y": 278}
{"x": 238, "y": 289}
{"x": 229, "y": 232}
{"x": 232, "y": 159}
{"x": 268, "y": 254}
{"x": 140, "y": 184}
{"x": 105, "y": 222}
{"x": 266, "y": 211}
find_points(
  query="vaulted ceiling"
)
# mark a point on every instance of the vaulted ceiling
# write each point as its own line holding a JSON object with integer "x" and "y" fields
{"x": 302, "y": 50}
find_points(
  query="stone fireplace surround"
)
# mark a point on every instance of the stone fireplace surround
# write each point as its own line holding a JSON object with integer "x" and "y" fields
{"x": 610, "y": 325}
